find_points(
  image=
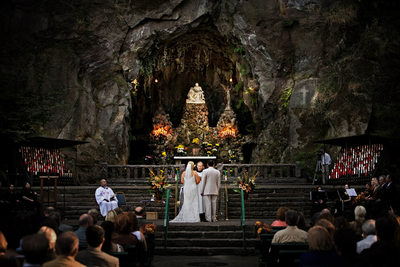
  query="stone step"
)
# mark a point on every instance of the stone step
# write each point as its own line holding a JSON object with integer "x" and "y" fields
{"x": 207, "y": 234}
{"x": 206, "y": 243}
{"x": 204, "y": 251}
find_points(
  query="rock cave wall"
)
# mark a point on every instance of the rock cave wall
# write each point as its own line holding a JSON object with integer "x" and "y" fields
{"x": 302, "y": 70}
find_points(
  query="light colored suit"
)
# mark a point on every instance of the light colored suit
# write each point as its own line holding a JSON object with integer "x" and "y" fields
{"x": 210, "y": 190}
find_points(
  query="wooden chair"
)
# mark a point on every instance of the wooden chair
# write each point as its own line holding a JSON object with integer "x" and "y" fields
{"x": 128, "y": 257}
{"x": 286, "y": 254}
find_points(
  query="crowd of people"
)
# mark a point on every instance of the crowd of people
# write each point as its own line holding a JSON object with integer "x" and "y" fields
{"x": 340, "y": 241}
{"x": 123, "y": 238}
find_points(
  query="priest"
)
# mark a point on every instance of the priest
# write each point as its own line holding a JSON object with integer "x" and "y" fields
{"x": 106, "y": 198}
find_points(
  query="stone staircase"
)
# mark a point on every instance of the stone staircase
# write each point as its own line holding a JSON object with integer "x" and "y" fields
{"x": 262, "y": 203}
{"x": 206, "y": 239}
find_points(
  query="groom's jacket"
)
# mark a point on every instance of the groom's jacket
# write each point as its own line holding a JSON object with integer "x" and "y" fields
{"x": 212, "y": 181}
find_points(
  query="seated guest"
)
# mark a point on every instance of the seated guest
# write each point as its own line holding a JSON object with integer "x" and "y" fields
{"x": 301, "y": 222}
{"x": 51, "y": 235}
{"x": 327, "y": 225}
{"x": 346, "y": 245}
{"x": 95, "y": 215}
{"x": 291, "y": 233}
{"x": 84, "y": 222}
{"x": 35, "y": 248}
{"x": 4, "y": 259}
{"x": 369, "y": 235}
{"x": 321, "y": 249}
{"x": 106, "y": 198}
{"x": 359, "y": 219}
{"x": 123, "y": 228}
{"x": 108, "y": 245}
{"x": 280, "y": 217}
{"x": 319, "y": 199}
{"x": 93, "y": 256}
{"x": 385, "y": 251}
{"x": 51, "y": 218}
{"x": 29, "y": 198}
{"x": 67, "y": 246}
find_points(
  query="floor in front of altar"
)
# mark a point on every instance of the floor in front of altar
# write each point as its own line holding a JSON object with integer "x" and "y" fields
{"x": 217, "y": 260}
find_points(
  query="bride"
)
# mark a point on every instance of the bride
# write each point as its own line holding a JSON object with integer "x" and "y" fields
{"x": 190, "y": 208}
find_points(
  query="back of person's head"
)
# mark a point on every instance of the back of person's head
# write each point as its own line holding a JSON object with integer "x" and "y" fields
{"x": 291, "y": 217}
{"x": 3, "y": 243}
{"x": 67, "y": 244}
{"x": 210, "y": 163}
{"x": 94, "y": 235}
{"x": 95, "y": 214}
{"x": 346, "y": 242}
{"x": 327, "y": 225}
{"x": 341, "y": 222}
{"x": 327, "y": 216}
{"x": 301, "y": 221}
{"x": 359, "y": 213}
{"x": 50, "y": 235}
{"x": 319, "y": 239}
{"x": 85, "y": 220}
{"x": 111, "y": 215}
{"x": 35, "y": 248}
{"x": 125, "y": 223}
{"x": 280, "y": 213}
{"x": 139, "y": 211}
{"x": 108, "y": 228}
{"x": 368, "y": 227}
{"x": 386, "y": 228}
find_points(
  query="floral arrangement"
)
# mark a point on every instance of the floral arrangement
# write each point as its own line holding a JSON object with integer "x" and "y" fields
{"x": 181, "y": 150}
{"x": 246, "y": 183}
{"x": 148, "y": 229}
{"x": 210, "y": 149}
{"x": 196, "y": 141}
{"x": 262, "y": 228}
{"x": 158, "y": 182}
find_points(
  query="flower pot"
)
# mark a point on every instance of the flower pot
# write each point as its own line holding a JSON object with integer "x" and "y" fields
{"x": 196, "y": 151}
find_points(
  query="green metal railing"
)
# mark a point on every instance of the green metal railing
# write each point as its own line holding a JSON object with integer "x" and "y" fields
{"x": 166, "y": 218}
{"x": 243, "y": 217}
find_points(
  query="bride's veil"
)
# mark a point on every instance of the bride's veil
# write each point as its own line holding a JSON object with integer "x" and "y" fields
{"x": 188, "y": 171}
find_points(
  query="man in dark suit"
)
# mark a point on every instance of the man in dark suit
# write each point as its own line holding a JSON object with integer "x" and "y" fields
{"x": 93, "y": 256}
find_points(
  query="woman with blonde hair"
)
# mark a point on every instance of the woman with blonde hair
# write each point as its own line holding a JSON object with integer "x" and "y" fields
{"x": 190, "y": 207}
{"x": 321, "y": 249}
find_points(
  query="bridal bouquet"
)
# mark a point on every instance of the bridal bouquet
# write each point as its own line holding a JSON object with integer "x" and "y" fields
{"x": 246, "y": 183}
{"x": 158, "y": 183}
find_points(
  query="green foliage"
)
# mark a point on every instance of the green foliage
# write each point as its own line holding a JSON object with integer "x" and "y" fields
{"x": 244, "y": 70}
{"x": 238, "y": 86}
{"x": 289, "y": 23}
{"x": 239, "y": 50}
{"x": 285, "y": 98}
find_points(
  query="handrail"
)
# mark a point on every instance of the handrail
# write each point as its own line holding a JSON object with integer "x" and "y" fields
{"x": 166, "y": 218}
{"x": 243, "y": 217}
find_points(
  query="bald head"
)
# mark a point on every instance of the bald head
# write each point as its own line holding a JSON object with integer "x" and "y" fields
{"x": 103, "y": 182}
{"x": 85, "y": 220}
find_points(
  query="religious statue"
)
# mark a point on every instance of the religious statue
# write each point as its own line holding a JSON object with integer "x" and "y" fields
{"x": 228, "y": 96}
{"x": 195, "y": 95}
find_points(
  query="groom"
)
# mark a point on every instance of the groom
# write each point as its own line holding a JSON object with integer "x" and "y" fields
{"x": 211, "y": 185}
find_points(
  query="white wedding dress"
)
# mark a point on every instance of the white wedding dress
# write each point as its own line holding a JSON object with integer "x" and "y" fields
{"x": 190, "y": 208}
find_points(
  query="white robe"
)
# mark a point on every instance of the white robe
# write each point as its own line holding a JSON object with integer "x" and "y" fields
{"x": 200, "y": 197}
{"x": 103, "y": 193}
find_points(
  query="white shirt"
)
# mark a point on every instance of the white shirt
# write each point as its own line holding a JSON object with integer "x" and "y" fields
{"x": 326, "y": 159}
{"x": 366, "y": 243}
